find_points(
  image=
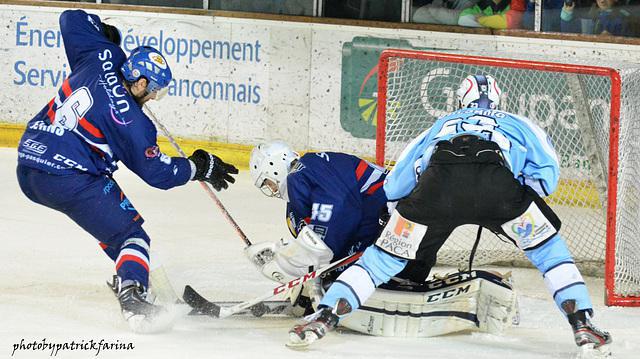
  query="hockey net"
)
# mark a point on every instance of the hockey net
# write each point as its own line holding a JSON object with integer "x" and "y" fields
{"x": 588, "y": 113}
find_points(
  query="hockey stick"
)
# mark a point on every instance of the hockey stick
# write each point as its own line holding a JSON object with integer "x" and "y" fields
{"x": 201, "y": 306}
{"x": 218, "y": 311}
{"x": 203, "y": 184}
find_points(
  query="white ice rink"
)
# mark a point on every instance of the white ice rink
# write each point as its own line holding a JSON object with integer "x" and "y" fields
{"x": 52, "y": 286}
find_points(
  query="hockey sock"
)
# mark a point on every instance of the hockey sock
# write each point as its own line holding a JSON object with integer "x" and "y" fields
{"x": 561, "y": 276}
{"x": 133, "y": 260}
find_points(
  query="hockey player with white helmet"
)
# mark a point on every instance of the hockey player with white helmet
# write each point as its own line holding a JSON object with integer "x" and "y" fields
{"x": 333, "y": 205}
{"x": 98, "y": 121}
{"x": 477, "y": 165}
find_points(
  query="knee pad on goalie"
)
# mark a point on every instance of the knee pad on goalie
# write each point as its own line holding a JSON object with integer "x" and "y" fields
{"x": 476, "y": 300}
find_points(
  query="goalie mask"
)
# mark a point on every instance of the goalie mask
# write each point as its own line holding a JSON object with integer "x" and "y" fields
{"x": 269, "y": 166}
{"x": 479, "y": 91}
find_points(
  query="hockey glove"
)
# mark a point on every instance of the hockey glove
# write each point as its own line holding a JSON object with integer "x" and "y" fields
{"x": 112, "y": 33}
{"x": 212, "y": 169}
{"x": 260, "y": 253}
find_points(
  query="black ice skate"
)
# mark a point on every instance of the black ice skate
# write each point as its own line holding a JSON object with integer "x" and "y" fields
{"x": 585, "y": 333}
{"x": 141, "y": 315}
{"x": 315, "y": 327}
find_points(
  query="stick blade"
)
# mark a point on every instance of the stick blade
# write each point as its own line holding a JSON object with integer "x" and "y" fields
{"x": 199, "y": 304}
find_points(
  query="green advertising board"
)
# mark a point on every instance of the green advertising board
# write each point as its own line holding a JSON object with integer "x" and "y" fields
{"x": 359, "y": 92}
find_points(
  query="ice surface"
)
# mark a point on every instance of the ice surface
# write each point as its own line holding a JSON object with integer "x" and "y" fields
{"x": 52, "y": 285}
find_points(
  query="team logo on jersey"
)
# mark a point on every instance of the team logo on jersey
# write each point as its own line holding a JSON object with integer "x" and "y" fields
{"x": 530, "y": 229}
{"x": 152, "y": 152}
{"x": 524, "y": 226}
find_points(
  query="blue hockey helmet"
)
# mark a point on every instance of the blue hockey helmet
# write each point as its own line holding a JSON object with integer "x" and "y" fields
{"x": 147, "y": 62}
{"x": 479, "y": 91}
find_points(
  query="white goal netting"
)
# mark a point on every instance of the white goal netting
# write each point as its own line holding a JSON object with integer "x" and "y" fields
{"x": 578, "y": 106}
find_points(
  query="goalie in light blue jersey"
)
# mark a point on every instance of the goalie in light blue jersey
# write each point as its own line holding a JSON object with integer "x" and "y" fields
{"x": 477, "y": 165}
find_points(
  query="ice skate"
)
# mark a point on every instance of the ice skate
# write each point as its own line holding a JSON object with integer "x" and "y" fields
{"x": 141, "y": 315}
{"x": 592, "y": 341}
{"x": 315, "y": 327}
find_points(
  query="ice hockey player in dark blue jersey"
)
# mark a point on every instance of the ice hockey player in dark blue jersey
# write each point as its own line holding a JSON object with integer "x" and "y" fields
{"x": 477, "y": 165}
{"x": 334, "y": 202}
{"x": 70, "y": 149}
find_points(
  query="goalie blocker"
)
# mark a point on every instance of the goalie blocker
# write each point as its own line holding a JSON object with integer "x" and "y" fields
{"x": 463, "y": 301}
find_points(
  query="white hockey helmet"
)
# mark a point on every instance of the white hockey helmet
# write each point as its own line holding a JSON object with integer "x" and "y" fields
{"x": 269, "y": 166}
{"x": 479, "y": 91}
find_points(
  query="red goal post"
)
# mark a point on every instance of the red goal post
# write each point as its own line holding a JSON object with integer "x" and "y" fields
{"x": 582, "y": 107}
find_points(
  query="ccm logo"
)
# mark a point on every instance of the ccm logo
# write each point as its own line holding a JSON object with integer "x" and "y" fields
{"x": 294, "y": 283}
{"x": 454, "y": 292}
{"x": 69, "y": 162}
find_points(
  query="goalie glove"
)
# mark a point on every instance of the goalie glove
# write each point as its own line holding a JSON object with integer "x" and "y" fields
{"x": 287, "y": 260}
{"x": 260, "y": 254}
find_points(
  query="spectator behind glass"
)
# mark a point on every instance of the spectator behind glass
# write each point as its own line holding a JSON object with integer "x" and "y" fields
{"x": 443, "y": 12}
{"x": 550, "y": 20}
{"x": 494, "y": 14}
{"x": 380, "y": 10}
{"x": 603, "y": 18}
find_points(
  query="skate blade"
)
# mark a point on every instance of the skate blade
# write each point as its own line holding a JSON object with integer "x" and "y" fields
{"x": 589, "y": 351}
{"x": 295, "y": 342}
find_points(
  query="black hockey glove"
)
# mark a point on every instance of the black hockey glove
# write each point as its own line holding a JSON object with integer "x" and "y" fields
{"x": 112, "y": 33}
{"x": 212, "y": 169}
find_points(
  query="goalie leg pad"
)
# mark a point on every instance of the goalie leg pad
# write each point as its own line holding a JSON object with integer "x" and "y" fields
{"x": 358, "y": 282}
{"x": 476, "y": 300}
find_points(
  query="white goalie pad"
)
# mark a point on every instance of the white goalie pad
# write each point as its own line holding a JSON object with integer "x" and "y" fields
{"x": 464, "y": 301}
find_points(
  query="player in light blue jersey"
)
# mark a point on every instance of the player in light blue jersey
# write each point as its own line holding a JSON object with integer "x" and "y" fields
{"x": 477, "y": 165}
